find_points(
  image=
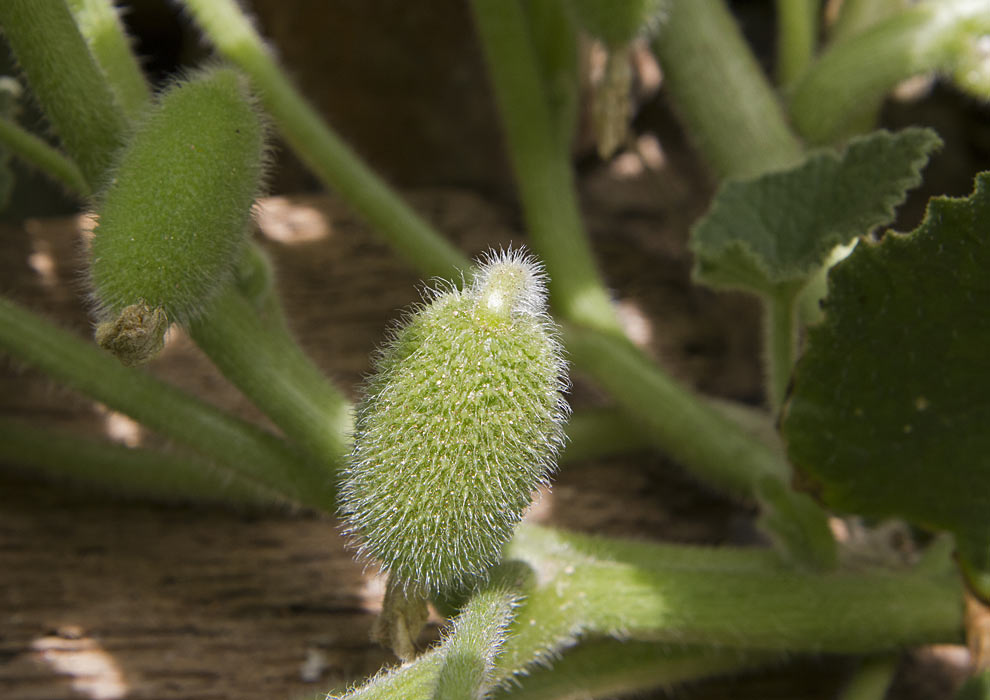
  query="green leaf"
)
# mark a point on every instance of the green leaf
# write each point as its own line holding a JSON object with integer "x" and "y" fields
{"x": 778, "y": 229}
{"x": 890, "y": 411}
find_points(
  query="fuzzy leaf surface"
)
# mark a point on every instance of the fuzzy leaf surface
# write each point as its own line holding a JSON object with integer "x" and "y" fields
{"x": 777, "y": 229}
{"x": 890, "y": 411}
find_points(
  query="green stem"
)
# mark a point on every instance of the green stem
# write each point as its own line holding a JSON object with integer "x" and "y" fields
{"x": 119, "y": 469}
{"x": 607, "y": 668}
{"x": 50, "y": 161}
{"x": 716, "y": 84}
{"x": 587, "y": 587}
{"x": 464, "y": 658}
{"x": 543, "y": 170}
{"x": 856, "y": 16}
{"x": 872, "y": 679}
{"x": 593, "y": 433}
{"x": 797, "y": 34}
{"x": 262, "y": 360}
{"x": 66, "y": 81}
{"x": 104, "y": 33}
{"x": 855, "y": 74}
{"x": 320, "y": 148}
{"x": 781, "y": 342}
{"x": 700, "y": 437}
{"x": 252, "y": 453}
{"x": 744, "y": 600}
{"x": 555, "y": 43}
{"x": 467, "y": 669}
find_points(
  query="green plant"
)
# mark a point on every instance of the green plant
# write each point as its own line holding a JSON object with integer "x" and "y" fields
{"x": 886, "y": 410}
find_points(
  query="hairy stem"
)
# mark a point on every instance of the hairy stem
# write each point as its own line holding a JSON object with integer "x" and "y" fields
{"x": 468, "y": 666}
{"x": 607, "y": 668}
{"x": 253, "y": 453}
{"x": 542, "y": 169}
{"x": 263, "y": 360}
{"x": 463, "y": 661}
{"x": 726, "y": 102}
{"x": 67, "y": 82}
{"x": 132, "y": 471}
{"x": 684, "y": 595}
{"x": 226, "y": 26}
{"x": 701, "y": 438}
{"x": 744, "y": 600}
{"x": 853, "y": 75}
{"x": 50, "y": 161}
{"x": 104, "y": 33}
{"x": 797, "y": 34}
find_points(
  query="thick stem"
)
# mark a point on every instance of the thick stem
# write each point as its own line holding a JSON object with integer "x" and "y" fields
{"x": 797, "y": 34}
{"x": 131, "y": 471}
{"x": 726, "y": 102}
{"x": 320, "y": 148}
{"x": 587, "y": 588}
{"x": 780, "y": 343}
{"x": 701, "y": 438}
{"x": 254, "y": 454}
{"x": 66, "y": 80}
{"x": 744, "y": 600}
{"x": 608, "y": 668}
{"x": 542, "y": 169}
{"x": 104, "y": 33}
{"x": 855, "y": 74}
{"x": 262, "y": 360}
{"x": 50, "y": 161}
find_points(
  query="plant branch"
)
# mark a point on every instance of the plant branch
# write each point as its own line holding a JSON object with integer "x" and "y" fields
{"x": 49, "y": 160}
{"x": 593, "y": 433}
{"x": 715, "y": 82}
{"x": 744, "y": 600}
{"x": 542, "y": 168}
{"x": 253, "y": 453}
{"x": 593, "y": 585}
{"x": 702, "y": 439}
{"x": 104, "y": 33}
{"x": 462, "y": 659}
{"x": 607, "y": 668}
{"x": 226, "y": 26}
{"x": 872, "y": 679}
{"x": 854, "y": 75}
{"x": 263, "y": 360}
{"x": 67, "y": 82}
{"x": 797, "y": 34}
{"x": 132, "y": 471}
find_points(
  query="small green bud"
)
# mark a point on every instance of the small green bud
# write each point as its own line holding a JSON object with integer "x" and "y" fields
{"x": 175, "y": 215}
{"x": 459, "y": 425}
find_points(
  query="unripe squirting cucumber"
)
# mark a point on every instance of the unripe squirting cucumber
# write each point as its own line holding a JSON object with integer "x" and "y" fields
{"x": 460, "y": 423}
{"x": 176, "y": 213}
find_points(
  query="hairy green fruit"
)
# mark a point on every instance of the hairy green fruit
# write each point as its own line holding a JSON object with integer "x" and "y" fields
{"x": 460, "y": 423}
{"x": 174, "y": 218}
